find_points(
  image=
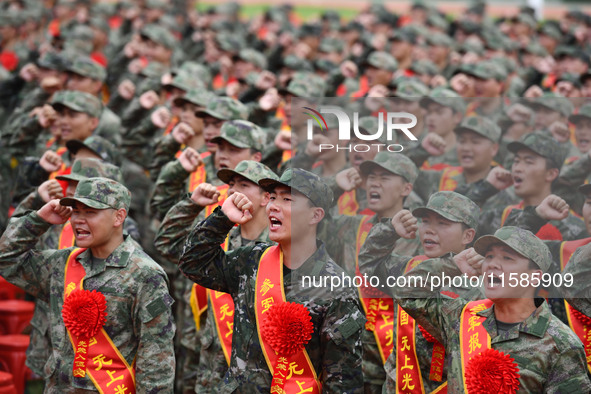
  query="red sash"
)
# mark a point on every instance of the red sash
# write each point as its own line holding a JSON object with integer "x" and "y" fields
{"x": 382, "y": 328}
{"x": 97, "y": 357}
{"x": 547, "y": 232}
{"x": 173, "y": 122}
{"x": 580, "y": 324}
{"x": 408, "y": 370}
{"x": 363, "y": 88}
{"x": 447, "y": 183}
{"x": 223, "y": 311}
{"x": 474, "y": 338}
{"x": 67, "y": 238}
{"x": 198, "y": 176}
{"x": 348, "y": 205}
{"x": 296, "y": 373}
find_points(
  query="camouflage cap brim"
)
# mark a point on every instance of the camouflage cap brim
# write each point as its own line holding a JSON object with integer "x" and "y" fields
{"x": 269, "y": 184}
{"x": 226, "y": 175}
{"x": 75, "y": 145}
{"x": 207, "y": 112}
{"x": 463, "y": 129}
{"x": 71, "y": 201}
{"x": 578, "y": 117}
{"x": 585, "y": 189}
{"x": 423, "y": 211}
{"x": 232, "y": 141}
{"x": 483, "y": 244}
{"x": 516, "y": 146}
{"x": 70, "y": 177}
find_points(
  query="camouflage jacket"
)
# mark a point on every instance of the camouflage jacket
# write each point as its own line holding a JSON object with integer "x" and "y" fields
{"x": 579, "y": 294}
{"x": 172, "y": 185}
{"x": 335, "y": 347}
{"x": 138, "y": 304}
{"x": 550, "y": 357}
{"x": 377, "y": 258}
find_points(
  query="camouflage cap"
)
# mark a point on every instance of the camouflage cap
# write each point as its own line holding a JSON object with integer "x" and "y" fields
{"x": 396, "y": 163}
{"x": 100, "y": 146}
{"x": 297, "y": 63}
{"x": 324, "y": 65}
{"x": 440, "y": 40}
{"x": 584, "y": 113}
{"x": 474, "y": 46}
{"x": 10, "y": 18}
{"x": 382, "y": 60}
{"x": 159, "y": 35}
{"x": 526, "y": 19}
{"x": 224, "y": 108}
{"x": 184, "y": 81}
{"x": 307, "y": 183}
{"x": 446, "y": 97}
{"x": 480, "y": 125}
{"x": 552, "y": 101}
{"x": 438, "y": 21}
{"x": 252, "y": 56}
{"x": 369, "y": 125}
{"x": 541, "y": 144}
{"x": 585, "y": 189}
{"x": 487, "y": 70}
{"x": 87, "y": 67}
{"x": 52, "y": 61}
{"x": 424, "y": 66}
{"x": 100, "y": 193}
{"x": 195, "y": 70}
{"x": 254, "y": 171}
{"x": 85, "y": 168}
{"x": 331, "y": 44}
{"x": 519, "y": 240}
{"x": 411, "y": 89}
{"x": 228, "y": 42}
{"x": 452, "y": 206}
{"x": 199, "y": 97}
{"x": 405, "y": 35}
{"x": 242, "y": 134}
{"x": 305, "y": 84}
{"x": 536, "y": 49}
{"x": 154, "y": 70}
{"x": 78, "y": 101}
{"x": 573, "y": 78}
{"x": 551, "y": 30}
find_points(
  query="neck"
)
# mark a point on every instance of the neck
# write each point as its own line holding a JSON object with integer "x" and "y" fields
{"x": 255, "y": 227}
{"x": 475, "y": 174}
{"x": 538, "y": 198}
{"x": 197, "y": 142}
{"x": 333, "y": 166}
{"x": 514, "y": 310}
{"x": 389, "y": 213}
{"x": 490, "y": 105}
{"x": 104, "y": 251}
{"x": 404, "y": 63}
{"x": 305, "y": 246}
{"x": 450, "y": 141}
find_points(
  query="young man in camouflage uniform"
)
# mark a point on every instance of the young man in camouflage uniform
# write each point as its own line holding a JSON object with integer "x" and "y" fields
{"x": 447, "y": 226}
{"x": 206, "y": 360}
{"x": 388, "y": 180}
{"x": 139, "y": 320}
{"x": 335, "y": 348}
{"x": 549, "y": 357}
{"x": 537, "y": 162}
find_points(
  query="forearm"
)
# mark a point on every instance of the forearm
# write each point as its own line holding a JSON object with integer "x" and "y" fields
{"x": 175, "y": 228}
{"x": 168, "y": 188}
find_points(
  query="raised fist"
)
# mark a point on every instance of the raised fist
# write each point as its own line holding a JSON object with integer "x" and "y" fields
{"x": 126, "y": 89}
{"x": 190, "y": 159}
{"x": 469, "y": 262}
{"x": 50, "y": 161}
{"x": 50, "y": 190}
{"x": 205, "y": 194}
{"x": 349, "y": 69}
{"x": 182, "y": 133}
{"x": 46, "y": 116}
{"x": 552, "y": 208}
{"x": 500, "y": 178}
{"x": 54, "y": 213}
{"x": 348, "y": 179}
{"x": 161, "y": 117}
{"x": 560, "y": 131}
{"x": 283, "y": 140}
{"x": 405, "y": 224}
{"x": 434, "y": 144}
{"x": 29, "y": 72}
{"x": 149, "y": 99}
{"x": 238, "y": 208}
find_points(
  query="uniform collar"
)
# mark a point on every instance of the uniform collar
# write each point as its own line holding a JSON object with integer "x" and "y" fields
{"x": 536, "y": 324}
{"x": 118, "y": 258}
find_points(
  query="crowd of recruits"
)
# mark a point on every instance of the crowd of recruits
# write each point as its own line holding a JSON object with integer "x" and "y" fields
{"x": 52, "y": 110}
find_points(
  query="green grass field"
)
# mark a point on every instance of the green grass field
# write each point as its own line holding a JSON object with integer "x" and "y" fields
{"x": 304, "y": 12}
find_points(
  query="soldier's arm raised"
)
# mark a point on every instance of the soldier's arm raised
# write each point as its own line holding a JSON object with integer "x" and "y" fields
{"x": 20, "y": 263}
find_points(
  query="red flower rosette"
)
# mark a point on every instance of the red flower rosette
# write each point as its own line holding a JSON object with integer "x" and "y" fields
{"x": 492, "y": 372}
{"x": 84, "y": 313}
{"x": 287, "y": 328}
{"x": 586, "y": 320}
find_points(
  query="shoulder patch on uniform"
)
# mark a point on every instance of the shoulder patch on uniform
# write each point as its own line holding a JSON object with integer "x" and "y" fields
{"x": 157, "y": 307}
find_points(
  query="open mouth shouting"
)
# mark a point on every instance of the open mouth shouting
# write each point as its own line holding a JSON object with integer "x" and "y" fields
{"x": 430, "y": 244}
{"x": 274, "y": 223}
{"x": 517, "y": 181}
{"x": 374, "y": 197}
